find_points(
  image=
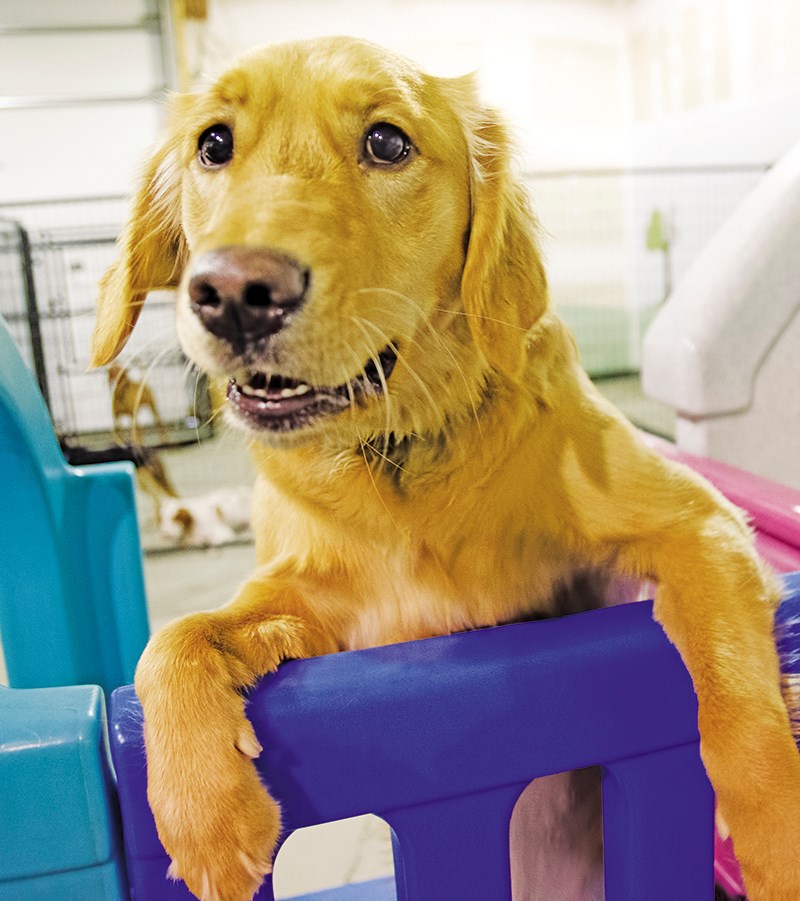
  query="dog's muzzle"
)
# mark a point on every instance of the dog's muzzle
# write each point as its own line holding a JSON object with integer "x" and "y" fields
{"x": 245, "y": 295}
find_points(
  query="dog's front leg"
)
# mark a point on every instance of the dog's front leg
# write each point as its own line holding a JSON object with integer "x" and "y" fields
{"x": 213, "y": 815}
{"x": 716, "y": 601}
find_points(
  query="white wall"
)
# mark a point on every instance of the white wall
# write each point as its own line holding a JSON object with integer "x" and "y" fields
{"x": 714, "y": 84}
{"x": 714, "y": 81}
{"x": 76, "y": 107}
{"x": 588, "y": 83}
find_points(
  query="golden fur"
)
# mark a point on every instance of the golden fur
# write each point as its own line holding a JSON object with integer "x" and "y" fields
{"x": 486, "y": 476}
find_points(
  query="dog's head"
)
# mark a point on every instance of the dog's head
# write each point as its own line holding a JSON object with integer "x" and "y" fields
{"x": 345, "y": 236}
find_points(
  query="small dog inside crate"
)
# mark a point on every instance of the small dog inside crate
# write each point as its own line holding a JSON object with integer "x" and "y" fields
{"x": 128, "y": 396}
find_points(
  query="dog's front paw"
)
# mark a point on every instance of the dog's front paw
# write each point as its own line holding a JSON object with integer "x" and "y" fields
{"x": 215, "y": 818}
{"x": 213, "y": 815}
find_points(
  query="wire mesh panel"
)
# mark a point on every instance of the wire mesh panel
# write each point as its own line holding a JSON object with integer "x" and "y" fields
{"x": 616, "y": 242}
{"x": 151, "y": 396}
{"x": 17, "y": 298}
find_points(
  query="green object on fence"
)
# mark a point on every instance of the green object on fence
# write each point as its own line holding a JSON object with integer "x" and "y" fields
{"x": 656, "y": 235}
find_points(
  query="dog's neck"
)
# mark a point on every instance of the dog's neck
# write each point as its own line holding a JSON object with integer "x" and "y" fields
{"x": 400, "y": 466}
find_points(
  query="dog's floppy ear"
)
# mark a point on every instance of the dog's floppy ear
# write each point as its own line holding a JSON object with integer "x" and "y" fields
{"x": 152, "y": 252}
{"x": 503, "y": 285}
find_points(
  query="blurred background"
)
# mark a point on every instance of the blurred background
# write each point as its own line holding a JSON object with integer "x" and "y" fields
{"x": 642, "y": 125}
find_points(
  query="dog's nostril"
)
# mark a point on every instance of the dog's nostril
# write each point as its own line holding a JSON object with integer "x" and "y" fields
{"x": 257, "y": 294}
{"x": 204, "y": 294}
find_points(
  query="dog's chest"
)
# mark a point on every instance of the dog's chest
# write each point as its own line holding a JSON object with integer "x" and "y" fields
{"x": 397, "y": 606}
{"x": 401, "y": 600}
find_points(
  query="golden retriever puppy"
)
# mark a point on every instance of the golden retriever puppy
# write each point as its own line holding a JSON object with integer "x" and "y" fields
{"x": 355, "y": 259}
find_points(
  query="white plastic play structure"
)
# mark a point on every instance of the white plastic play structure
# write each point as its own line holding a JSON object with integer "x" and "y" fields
{"x": 724, "y": 351}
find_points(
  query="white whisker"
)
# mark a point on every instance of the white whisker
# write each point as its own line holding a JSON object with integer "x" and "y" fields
{"x": 443, "y": 344}
{"x": 375, "y": 357}
{"x": 348, "y": 382}
{"x": 411, "y": 371}
{"x": 143, "y": 385}
{"x": 440, "y": 309}
{"x": 376, "y": 360}
{"x": 362, "y": 446}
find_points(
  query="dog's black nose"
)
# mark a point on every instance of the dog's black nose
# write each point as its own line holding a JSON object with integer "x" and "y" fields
{"x": 242, "y": 294}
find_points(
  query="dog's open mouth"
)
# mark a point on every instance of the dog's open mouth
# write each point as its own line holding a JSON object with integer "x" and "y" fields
{"x": 282, "y": 404}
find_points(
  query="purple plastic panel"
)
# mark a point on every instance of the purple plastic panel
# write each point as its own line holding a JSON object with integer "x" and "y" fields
{"x": 439, "y": 737}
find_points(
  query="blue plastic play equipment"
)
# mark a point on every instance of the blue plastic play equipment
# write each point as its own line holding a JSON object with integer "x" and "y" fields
{"x": 72, "y": 605}
{"x": 72, "y": 611}
{"x": 60, "y": 837}
{"x": 439, "y": 737}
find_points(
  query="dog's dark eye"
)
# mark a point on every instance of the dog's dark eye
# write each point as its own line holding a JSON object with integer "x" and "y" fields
{"x": 386, "y": 144}
{"x": 215, "y": 146}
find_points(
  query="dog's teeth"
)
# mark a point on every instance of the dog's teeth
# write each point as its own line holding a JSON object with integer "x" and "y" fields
{"x": 254, "y": 392}
{"x": 264, "y": 393}
{"x": 302, "y": 388}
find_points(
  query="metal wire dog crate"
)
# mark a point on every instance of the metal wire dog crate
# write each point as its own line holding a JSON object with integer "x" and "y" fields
{"x": 49, "y": 269}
